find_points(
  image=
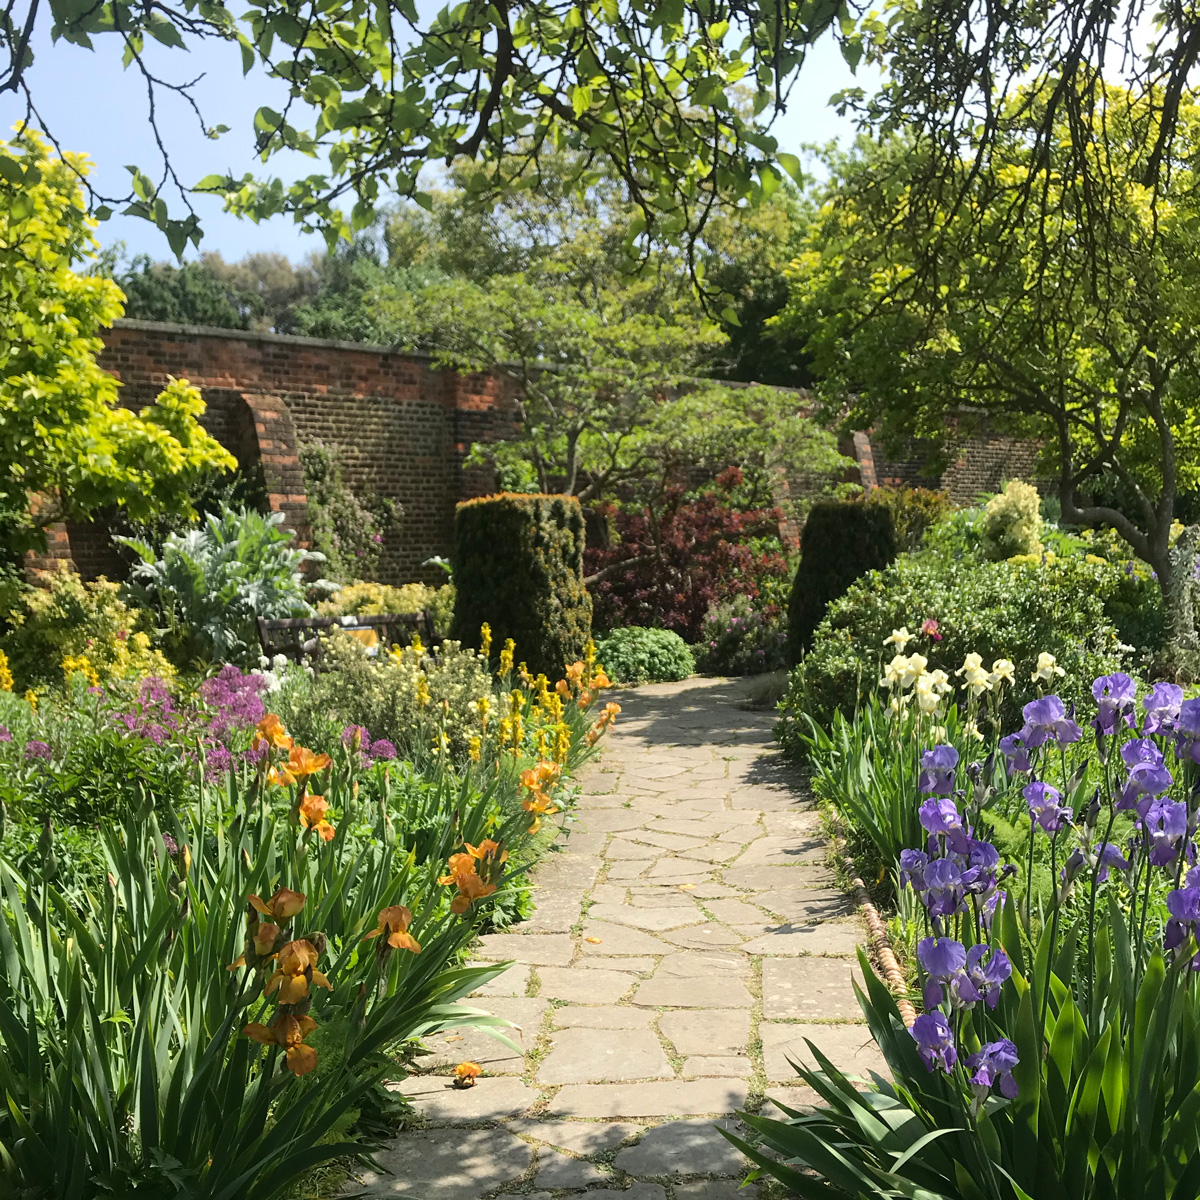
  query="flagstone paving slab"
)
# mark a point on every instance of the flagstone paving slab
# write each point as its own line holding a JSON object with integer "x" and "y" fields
{"x": 692, "y": 881}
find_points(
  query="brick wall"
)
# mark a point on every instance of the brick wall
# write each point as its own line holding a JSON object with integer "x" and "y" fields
{"x": 404, "y": 427}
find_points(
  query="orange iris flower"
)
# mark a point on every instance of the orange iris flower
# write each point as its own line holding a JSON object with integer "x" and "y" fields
{"x": 288, "y": 1033}
{"x": 271, "y": 730}
{"x": 466, "y": 1073}
{"x": 302, "y": 762}
{"x": 312, "y": 815}
{"x": 265, "y": 935}
{"x": 294, "y": 971}
{"x": 470, "y": 887}
{"x": 600, "y": 680}
{"x": 282, "y": 906}
{"x": 487, "y": 850}
{"x": 394, "y": 921}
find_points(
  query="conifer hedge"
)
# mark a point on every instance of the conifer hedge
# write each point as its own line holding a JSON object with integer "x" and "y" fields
{"x": 518, "y": 566}
{"x": 840, "y": 543}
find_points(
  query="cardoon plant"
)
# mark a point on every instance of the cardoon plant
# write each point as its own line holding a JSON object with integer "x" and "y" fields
{"x": 1058, "y": 1053}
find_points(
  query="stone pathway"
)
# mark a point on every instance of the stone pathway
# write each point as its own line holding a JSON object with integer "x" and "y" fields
{"x": 686, "y": 941}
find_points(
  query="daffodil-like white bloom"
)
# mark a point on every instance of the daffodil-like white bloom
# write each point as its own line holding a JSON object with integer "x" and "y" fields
{"x": 1047, "y": 667}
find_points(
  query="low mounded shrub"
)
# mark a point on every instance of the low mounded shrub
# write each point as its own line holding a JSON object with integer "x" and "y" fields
{"x": 639, "y": 655}
{"x": 365, "y": 599}
{"x": 70, "y": 626}
{"x": 740, "y": 639}
{"x": 518, "y": 568}
{"x": 1012, "y": 522}
{"x": 840, "y": 543}
{"x": 997, "y": 610}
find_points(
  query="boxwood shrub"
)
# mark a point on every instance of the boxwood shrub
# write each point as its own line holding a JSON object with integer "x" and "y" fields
{"x": 518, "y": 567}
{"x": 1010, "y": 610}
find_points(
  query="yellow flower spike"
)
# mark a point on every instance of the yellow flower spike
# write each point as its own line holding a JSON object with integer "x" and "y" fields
{"x": 485, "y": 640}
{"x": 416, "y": 645}
{"x": 288, "y": 1033}
{"x": 31, "y": 698}
{"x": 506, "y": 657}
{"x": 295, "y": 972}
{"x": 423, "y": 696}
{"x": 6, "y": 675}
{"x": 474, "y": 749}
{"x": 562, "y": 743}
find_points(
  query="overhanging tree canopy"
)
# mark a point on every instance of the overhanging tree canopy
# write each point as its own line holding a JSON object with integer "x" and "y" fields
{"x": 1082, "y": 334}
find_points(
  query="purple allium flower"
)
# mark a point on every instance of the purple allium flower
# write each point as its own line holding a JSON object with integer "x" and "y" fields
{"x": 912, "y": 869}
{"x": 1162, "y": 708}
{"x": 993, "y": 1064}
{"x": 944, "y": 891}
{"x": 35, "y": 750}
{"x": 937, "y": 771}
{"x": 1046, "y": 720}
{"x": 217, "y": 761}
{"x": 1187, "y": 731}
{"x": 941, "y": 817}
{"x": 1148, "y": 774}
{"x": 236, "y": 697}
{"x": 1044, "y": 808}
{"x": 353, "y": 733}
{"x": 944, "y": 961}
{"x": 5, "y": 734}
{"x": 1165, "y": 823}
{"x": 1016, "y": 752}
{"x": 987, "y": 977}
{"x": 1115, "y": 696}
{"x": 935, "y": 1041}
{"x": 170, "y": 844}
{"x": 383, "y": 750}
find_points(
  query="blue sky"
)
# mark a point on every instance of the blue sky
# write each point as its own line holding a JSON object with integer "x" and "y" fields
{"x": 93, "y": 105}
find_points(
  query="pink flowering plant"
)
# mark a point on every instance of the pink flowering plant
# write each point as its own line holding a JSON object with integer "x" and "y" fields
{"x": 1057, "y": 1047}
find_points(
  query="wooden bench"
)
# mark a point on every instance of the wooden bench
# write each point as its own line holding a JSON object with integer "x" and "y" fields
{"x": 300, "y": 637}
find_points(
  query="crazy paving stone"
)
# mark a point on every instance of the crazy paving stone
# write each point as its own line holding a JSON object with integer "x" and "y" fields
{"x": 585, "y": 987}
{"x": 655, "y": 920}
{"x": 513, "y": 982}
{"x": 620, "y": 1016}
{"x": 441, "y": 1103}
{"x": 716, "y": 1031}
{"x": 537, "y": 949}
{"x": 448, "y": 1164}
{"x": 657, "y": 1099}
{"x": 728, "y": 1066}
{"x": 587, "y": 1138}
{"x": 683, "y": 1148}
{"x": 850, "y": 1048}
{"x": 809, "y": 988}
{"x": 620, "y": 939}
{"x": 591, "y": 1056}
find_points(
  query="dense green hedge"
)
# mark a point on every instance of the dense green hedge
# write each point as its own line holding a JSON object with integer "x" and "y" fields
{"x": 518, "y": 566}
{"x": 996, "y": 610}
{"x": 840, "y": 543}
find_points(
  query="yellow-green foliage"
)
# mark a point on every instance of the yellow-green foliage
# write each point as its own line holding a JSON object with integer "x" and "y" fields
{"x": 63, "y": 433}
{"x": 1012, "y": 522}
{"x": 84, "y": 625}
{"x": 363, "y": 598}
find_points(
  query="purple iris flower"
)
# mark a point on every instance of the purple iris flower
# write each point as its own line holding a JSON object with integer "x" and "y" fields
{"x": 1187, "y": 731}
{"x": 986, "y": 978}
{"x": 944, "y": 961}
{"x": 1046, "y": 720}
{"x": 944, "y": 891}
{"x": 1016, "y": 752}
{"x": 1165, "y": 823}
{"x": 935, "y": 1041}
{"x": 1115, "y": 696}
{"x": 1162, "y": 708}
{"x": 937, "y": 771}
{"x": 942, "y": 818}
{"x": 1184, "y": 906}
{"x": 912, "y": 869}
{"x": 1044, "y": 808}
{"x": 988, "y": 909}
{"x": 993, "y": 1064}
{"x": 982, "y": 859}
{"x": 35, "y": 750}
{"x": 1108, "y": 854}
{"x": 1148, "y": 774}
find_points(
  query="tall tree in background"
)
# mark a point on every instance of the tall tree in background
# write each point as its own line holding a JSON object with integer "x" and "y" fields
{"x": 67, "y": 448}
{"x": 1081, "y": 334}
